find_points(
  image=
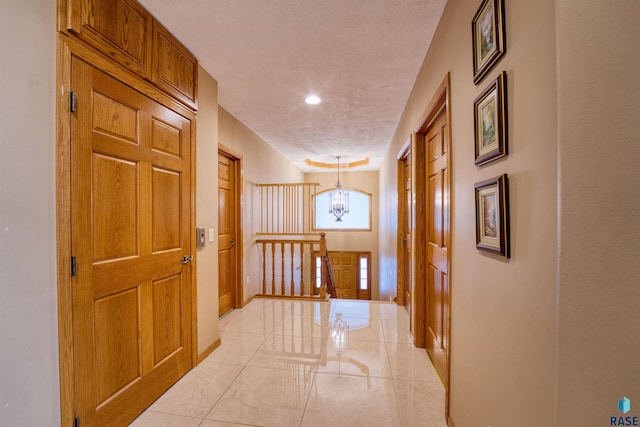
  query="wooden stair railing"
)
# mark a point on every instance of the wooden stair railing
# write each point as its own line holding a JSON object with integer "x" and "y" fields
{"x": 285, "y": 209}
{"x": 286, "y": 269}
{"x": 326, "y": 271}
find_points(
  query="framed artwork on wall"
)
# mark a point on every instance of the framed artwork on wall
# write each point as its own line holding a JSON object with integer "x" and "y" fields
{"x": 490, "y": 121}
{"x": 492, "y": 216}
{"x": 488, "y": 37}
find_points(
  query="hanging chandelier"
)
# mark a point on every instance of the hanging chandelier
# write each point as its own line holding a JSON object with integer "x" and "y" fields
{"x": 338, "y": 199}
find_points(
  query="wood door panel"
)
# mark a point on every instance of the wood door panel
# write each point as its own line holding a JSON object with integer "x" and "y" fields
{"x": 224, "y": 173}
{"x": 166, "y": 210}
{"x": 114, "y": 118}
{"x": 225, "y": 281}
{"x": 167, "y": 320}
{"x": 129, "y": 31}
{"x": 130, "y": 228}
{"x": 119, "y": 28}
{"x": 165, "y": 137}
{"x": 224, "y": 259}
{"x": 435, "y": 146}
{"x": 117, "y": 341}
{"x": 438, "y": 257}
{"x": 435, "y": 303}
{"x": 435, "y": 210}
{"x": 115, "y": 208}
{"x": 437, "y": 332}
{"x": 225, "y": 224}
{"x": 174, "y": 67}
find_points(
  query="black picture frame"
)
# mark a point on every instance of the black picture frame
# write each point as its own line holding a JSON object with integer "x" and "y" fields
{"x": 492, "y": 216}
{"x": 490, "y": 121}
{"x": 488, "y": 34}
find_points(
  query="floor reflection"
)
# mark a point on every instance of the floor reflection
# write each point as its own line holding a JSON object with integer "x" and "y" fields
{"x": 307, "y": 363}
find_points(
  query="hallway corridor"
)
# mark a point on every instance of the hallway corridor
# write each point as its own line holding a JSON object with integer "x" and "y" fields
{"x": 308, "y": 364}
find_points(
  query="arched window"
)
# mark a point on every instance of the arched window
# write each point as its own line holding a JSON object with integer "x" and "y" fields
{"x": 358, "y": 218}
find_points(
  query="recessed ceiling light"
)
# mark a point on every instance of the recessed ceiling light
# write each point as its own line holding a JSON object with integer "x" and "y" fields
{"x": 312, "y": 100}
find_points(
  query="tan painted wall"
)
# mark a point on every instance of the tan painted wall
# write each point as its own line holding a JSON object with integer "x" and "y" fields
{"x": 261, "y": 164}
{"x": 355, "y": 240}
{"x": 599, "y": 159}
{"x": 207, "y": 209}
{"x": 29, "y": 390}
{"x": 503, "y": 321}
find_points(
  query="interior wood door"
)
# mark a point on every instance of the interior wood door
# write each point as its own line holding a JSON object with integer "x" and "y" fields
{"x": 345, "y": 274}
{"x": 130, "y": 229}
{"x": 227, "y": 230}
{"x": 407, "y": 223}
{"x": 438, "y": 296}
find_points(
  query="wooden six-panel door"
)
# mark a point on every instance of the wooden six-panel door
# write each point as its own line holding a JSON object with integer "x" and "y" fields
{"x": 227, "y": 230}
{"x": 130, "y": 231}
{"x": 345, "y": 274}
{"x": 438, "y": 295}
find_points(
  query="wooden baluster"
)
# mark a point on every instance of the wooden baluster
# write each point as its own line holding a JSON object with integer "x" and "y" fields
{"x": 273, "y": 215}
{"x": 293, "y": 283}
{"x": 266, "y": 209}
{"x": 294, "y": 205}
{"x": 302, "y": 269}
{"x": 282, "y": 268}
{"x": 273, "y": 269}
{"x": 264, "y": 268}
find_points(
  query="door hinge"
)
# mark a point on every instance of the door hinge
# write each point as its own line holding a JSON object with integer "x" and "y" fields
{"x": 76, "y": 422}
{"x": 73, "y": 102}
{"x": 74, "y": 268}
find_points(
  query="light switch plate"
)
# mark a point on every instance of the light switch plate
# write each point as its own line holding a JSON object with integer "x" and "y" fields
{"x": 211, "y": 235}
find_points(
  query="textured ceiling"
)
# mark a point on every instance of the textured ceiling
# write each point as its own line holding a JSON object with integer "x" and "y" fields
{"x": 361, "y": 57}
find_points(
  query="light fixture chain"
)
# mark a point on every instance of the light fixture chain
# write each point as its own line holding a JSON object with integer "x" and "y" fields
{"x": 339, "y": 200}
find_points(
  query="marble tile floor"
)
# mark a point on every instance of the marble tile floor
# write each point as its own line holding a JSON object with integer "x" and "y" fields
{"x": 307, "y": 364}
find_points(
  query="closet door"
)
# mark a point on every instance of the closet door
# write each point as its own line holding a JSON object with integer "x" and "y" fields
{"x": 130, "y": 238}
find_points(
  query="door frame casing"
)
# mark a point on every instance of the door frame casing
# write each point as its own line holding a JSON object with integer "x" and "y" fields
{"x": 239, "y": 259}
{"x": 419, "y": 193}
{"x": 68, "y": 47}
{"x": 440, "y": 100}
{"x": 403, "y": 281}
